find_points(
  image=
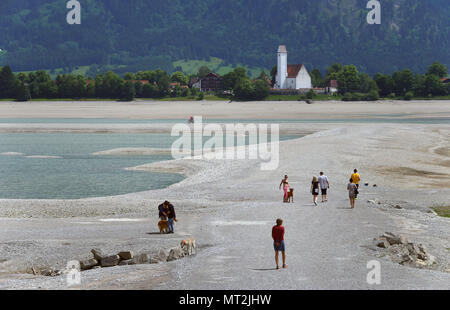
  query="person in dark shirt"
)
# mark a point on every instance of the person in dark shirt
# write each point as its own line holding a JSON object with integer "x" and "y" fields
{"x": 163, "y": 211}
{"x": 171, "y": 216}
{"x": 315, "y": 189}
{"x": 278, "y": 242}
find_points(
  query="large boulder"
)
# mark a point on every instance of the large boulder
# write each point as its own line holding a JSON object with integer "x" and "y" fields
{"x": 394, "y": 239}
{"x": 162, "y": 255}
{"x": 143, "y": 258}
{"x": 126, "y": 255}
{"x": 110, "y": 261}
{"x": 175, "y": 253}
{"x": 98, "y": 254}
{"x": 88, "y": 264}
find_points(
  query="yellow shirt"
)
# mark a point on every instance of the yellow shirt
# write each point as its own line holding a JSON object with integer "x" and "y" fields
{"x": 356, "y": 178}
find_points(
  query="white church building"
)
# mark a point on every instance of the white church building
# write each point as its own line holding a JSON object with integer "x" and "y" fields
{"x": 291, "y": 76}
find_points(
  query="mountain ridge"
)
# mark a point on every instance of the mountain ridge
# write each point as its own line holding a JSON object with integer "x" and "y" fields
{"x": 139, "y": 35}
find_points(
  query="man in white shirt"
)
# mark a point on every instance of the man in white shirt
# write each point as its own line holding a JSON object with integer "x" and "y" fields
{"x": 324, "y": 186}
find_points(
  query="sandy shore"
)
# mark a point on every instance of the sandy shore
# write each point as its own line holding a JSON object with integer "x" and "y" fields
{"x": 229, "y": 207}
{"x": 222, "y": 109}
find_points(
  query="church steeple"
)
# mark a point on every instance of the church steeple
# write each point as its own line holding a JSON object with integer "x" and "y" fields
{"x": 282, "y": 67}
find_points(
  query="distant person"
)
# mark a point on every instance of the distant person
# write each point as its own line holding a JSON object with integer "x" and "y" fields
{"x": 352, "y": 192}
{"x": 172, "y": 217}
{"x": 163, "y": 211}
{"x": 324, "y": 186}
{"x": 191, "y": 120}
{"x": 356, "y": 179}
{"x": 278, "y": 242}
{"x": 285, "y": 184}
{"x": 315, "y": 189}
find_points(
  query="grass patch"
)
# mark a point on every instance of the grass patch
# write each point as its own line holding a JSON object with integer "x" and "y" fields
{"x": 443, "y": 211}
{"x": 215, "y": 64}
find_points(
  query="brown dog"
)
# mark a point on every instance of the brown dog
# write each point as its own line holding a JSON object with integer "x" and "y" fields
{"x": 163, "y": 227}
{"x": 291, "y": 195}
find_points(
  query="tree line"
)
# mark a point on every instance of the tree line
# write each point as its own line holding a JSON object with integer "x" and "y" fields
{"x": 352, "y": 84}
{"x": 143, "y": 84}
{"x": 404, "y": 84}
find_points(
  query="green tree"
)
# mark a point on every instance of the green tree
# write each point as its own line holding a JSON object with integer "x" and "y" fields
{"x": 261, "y": 89}
{"x": 180, "y": 78}
{"x": 433, "y": 85}
{"x": 348, "y": 79}
{"x": 244, "y": 90}
{"x": 22, "y": 92}
{"x": 203, "y": 71}
{"x": 128, "y": 91}
{"x": 316, "y": 78}
{"x": 385, "y": 84}
{"x": 7, "y": 83}
{"x": 438, "y": 69}
{"x": 403, "y": 81}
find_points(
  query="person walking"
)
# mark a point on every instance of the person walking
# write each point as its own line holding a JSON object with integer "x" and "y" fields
{"x": 278, "y": 242}
{"x": 286, "y": 187}
{"x": 172, "y": 217}
{"x": 356, "y": 179}
{"x": 315, "y": 189}
{"x": 352, "y": 192}
{"x": 324, "y": 186}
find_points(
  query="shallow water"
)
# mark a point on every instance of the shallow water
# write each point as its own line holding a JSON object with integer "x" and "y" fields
{"x": 61, "y": 165}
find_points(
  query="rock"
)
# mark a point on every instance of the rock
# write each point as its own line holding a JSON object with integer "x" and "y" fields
{"x": 162, "y": 255}
{"x": 398, "y": 207}
{"x": 175, "y": 253}
{"x": 110, "y": 261}
{"x": 88, "y": 264}
{"x": 393, "y": 239}
{"x": 126, "y": 262}
{"x": 141, "y": 259}
{"x": 383, "y": 244}
{"x": 126, "y": 255}
{"x": 96, "y": 267}
{"x": 98, "y": 254}
{"x": 50, "y": 272}
{"x": 153, "y": 260}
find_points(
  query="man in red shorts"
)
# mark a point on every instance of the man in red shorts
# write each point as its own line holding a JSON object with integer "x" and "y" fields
{"x": 278, "y": 242}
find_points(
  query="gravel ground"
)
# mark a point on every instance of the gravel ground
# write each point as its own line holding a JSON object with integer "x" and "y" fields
{"x": 229, "y": 207}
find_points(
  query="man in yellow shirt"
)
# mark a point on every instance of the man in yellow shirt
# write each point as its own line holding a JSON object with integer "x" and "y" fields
{"x": 356, "y": 179}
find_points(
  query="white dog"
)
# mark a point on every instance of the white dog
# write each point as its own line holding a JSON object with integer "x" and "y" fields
{"x": 188, "y": 246}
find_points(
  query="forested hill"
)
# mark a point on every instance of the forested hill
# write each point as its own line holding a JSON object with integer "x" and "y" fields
{"x": 133, "y": 35}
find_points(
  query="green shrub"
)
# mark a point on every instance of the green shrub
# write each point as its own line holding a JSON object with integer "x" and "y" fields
{"x": 372, "y": 96}
{"x": 347, "y": 97}
{"x": 409, "y": 95}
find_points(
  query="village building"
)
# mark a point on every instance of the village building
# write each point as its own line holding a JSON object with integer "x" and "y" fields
{"x": 294, "y": 76}
{"x": 212, "y": 82}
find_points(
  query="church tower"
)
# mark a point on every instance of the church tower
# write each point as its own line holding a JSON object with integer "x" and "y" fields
{"x": 282, "y": 67}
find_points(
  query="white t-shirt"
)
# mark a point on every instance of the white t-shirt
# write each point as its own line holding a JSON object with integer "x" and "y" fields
{"x": 323, "y": 180}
